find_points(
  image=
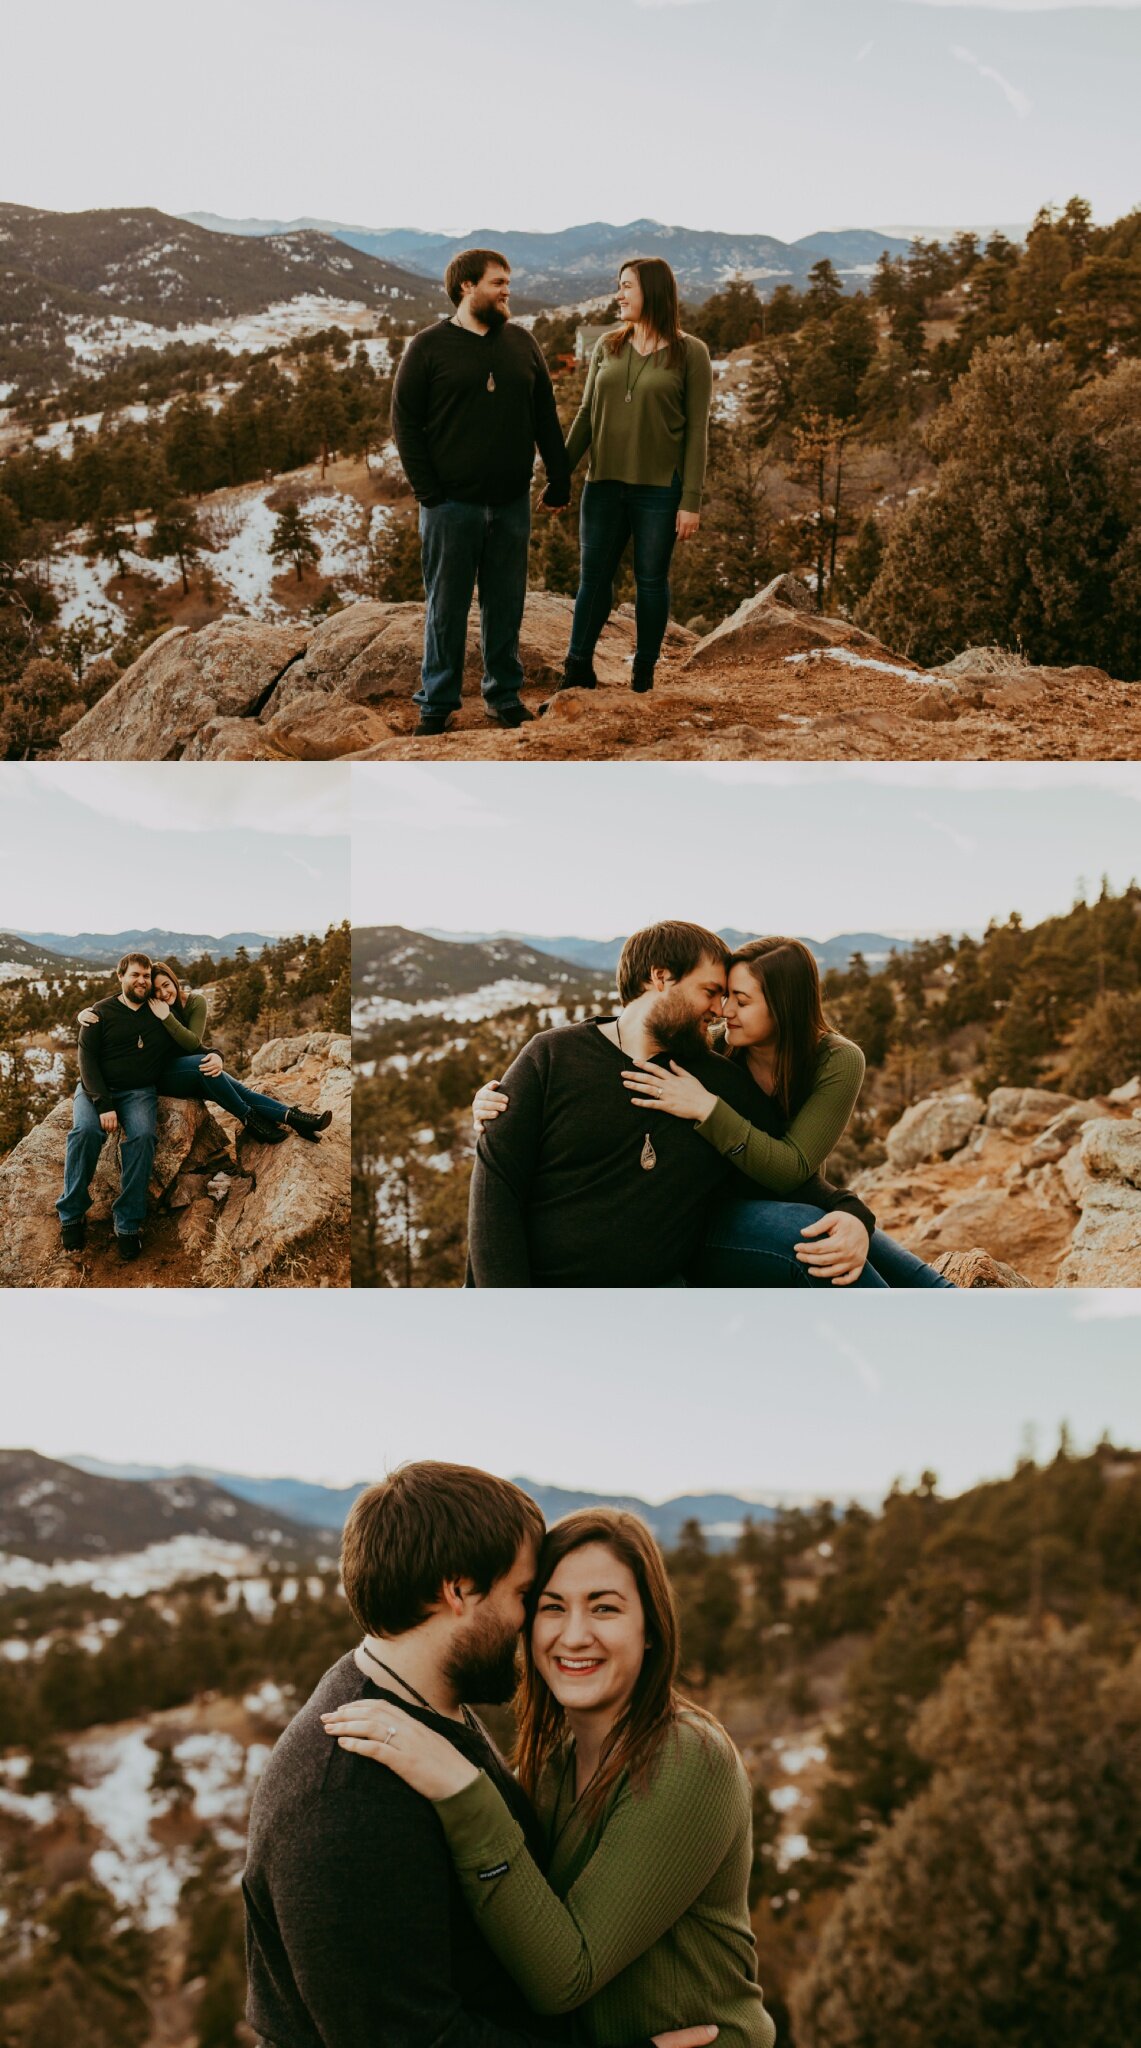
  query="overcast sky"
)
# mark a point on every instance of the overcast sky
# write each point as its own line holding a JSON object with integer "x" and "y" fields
{"x": 598, "y": 849}
{"x": 776, "y": 116}
{"x": 210, "y": 848}
{"x": 764, "y": 1393}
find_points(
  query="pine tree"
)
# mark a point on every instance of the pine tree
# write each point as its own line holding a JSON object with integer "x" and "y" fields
{"x": 176, "y": 533}
{"x": 293, "y": 540}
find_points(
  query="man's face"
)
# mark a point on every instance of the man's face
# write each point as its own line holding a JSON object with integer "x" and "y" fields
{"x": 490, "y": 299}
{"x": 135, "y": 981}
{"x": 482, "y": 1665}
{"x": 681, "y": 1016}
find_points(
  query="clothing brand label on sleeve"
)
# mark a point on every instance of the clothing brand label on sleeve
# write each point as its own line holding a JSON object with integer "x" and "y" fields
{"x": 496, "y": 1870}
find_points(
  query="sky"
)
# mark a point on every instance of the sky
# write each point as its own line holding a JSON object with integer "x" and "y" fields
{"x": 794, "y": 1394}
{"x": 215, "y": 848}
{"x": 773, "y": 116}
{"x": 594, "y": 850}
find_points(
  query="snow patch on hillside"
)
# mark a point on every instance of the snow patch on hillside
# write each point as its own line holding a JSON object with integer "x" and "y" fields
{"x": 136, "y": 1572}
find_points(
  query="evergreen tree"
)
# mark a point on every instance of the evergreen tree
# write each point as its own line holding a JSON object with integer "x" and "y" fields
{"x": 176, "y": 533}
{"x": 293, "y": 540}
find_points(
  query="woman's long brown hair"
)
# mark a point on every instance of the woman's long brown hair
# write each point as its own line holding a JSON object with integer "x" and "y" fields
{"x": 788, "y": 978}
{"x": 638, "y": 1735}
{"x": 660, "y": 311}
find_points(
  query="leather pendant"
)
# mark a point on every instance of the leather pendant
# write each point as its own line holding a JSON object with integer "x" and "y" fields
{"x": 491, "y": 380}
{"x": 649, "y": 1157}
{"x": 142, "y": 1047}
{"x": 629, "y": 398}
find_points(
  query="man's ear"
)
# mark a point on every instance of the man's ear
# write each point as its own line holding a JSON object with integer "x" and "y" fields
{"x": 453, "y": 1595}
{"x": 660, "y": 977}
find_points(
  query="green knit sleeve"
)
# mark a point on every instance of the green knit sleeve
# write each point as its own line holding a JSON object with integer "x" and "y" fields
{"x": 784, "y": 1164}
{"x": 188, "y": 1037}
{"x": 657, "y": 1852}
{"x": 698, "y": 399}
{"x": 578, "y": 440}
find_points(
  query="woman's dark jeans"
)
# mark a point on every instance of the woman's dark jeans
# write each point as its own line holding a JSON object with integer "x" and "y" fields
{"x": 752, "y": 1244}
{"x": 184, "y": 1077}
{"x": 612, "y": 513}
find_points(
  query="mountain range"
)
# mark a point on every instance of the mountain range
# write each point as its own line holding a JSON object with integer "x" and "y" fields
{"x": 103, "y": 949}
{"x": 581, "y": 262}
{"x": 325, "y": 1507}
{"x": 19, "y": 951}
{"x": 51, "y": 1509}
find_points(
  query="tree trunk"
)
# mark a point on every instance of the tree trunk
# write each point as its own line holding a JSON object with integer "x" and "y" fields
{"x": 836, "y": 516}
{"x": 820, "y": 531}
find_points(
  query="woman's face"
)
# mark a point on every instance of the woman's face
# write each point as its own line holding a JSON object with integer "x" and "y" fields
{"x": 588, "y": 1637}
{"x": 630, "y": 295}
{"x": 748, "y": 1018}
{"x": 165, "y": 989}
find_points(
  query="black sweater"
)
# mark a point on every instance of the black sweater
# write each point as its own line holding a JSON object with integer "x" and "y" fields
{"x": 356, "y": 1928}
{"x": 459, "y": 440}
{"x": 559, "y": 1197}
{"x": 111, "y": 1057}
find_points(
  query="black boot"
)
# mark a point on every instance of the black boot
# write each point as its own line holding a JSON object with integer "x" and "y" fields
{"x": 259, "y": 1127}
{"x": 129, "y": 1245}
{"x": 307, "y": 1122}
{"x": 577, "y": 674}
{"x": 643, "y": 676}
{"x": 73, "y": 1236}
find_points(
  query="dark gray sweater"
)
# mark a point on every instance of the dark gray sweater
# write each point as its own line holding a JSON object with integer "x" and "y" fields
{"x": 357, "y": 1935}
{"x": 559, "y": 1197}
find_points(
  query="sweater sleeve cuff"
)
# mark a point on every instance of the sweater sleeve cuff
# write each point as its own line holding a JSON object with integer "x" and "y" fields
{"x": 725, "y": 1129}
{"x": 690, "y": 501}
{"x": 481, "y": 1832}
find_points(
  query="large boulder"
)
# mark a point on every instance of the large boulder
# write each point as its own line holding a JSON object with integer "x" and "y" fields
{"x": 31, "y": 1179}
{"x": 934, "y": 1128}
{"x": 779, "y": 624}
{"x": 1024, "y": 1110}
{"x": 182, "y": 682}
{"x": 975, "y": 1269}
{"x": 1106, "y": 1247}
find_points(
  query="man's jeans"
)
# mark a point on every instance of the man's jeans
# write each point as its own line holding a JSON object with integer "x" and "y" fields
{"x": 462, "y": 546}
{"x": 137, "y": 1111}
{"x": 752, "y": 1244}
{"x": 184, "y": 1077}
{"x": 610, "y": 513}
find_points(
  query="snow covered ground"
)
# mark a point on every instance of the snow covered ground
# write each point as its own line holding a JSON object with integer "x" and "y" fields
{"x": 95, "y": 341}
{"x": 138, "y": 1572}
{"x": 488, "y": 1001}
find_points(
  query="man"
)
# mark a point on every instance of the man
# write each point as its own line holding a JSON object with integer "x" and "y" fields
{"x": 570, "y": 1188}
{"x": 120, "y": 1059}
{"x": 356, "y": 1928}
{"x": 471, "y": 400}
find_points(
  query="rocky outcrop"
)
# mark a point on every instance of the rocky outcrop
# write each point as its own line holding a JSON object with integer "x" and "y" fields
{"x": 977, "y": 1269}
{"x": 933, "y": 1129}
{"x": 780, "y": 623}
{"x": 158, "y": 707}
{"x": 1041, "y": 1183}
{"x": 224, "y": 1210}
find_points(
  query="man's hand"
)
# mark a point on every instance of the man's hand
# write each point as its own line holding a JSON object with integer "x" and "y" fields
{"x": 841, "y": 1250}
{"x": 687, "y": 524}
{"x": 108, "y": 1121}
{"x": 686, "y": 2037}
{"x": 210, "y": 1064}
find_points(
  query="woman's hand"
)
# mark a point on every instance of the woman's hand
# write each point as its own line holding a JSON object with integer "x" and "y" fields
{"x": 88, "y": 1016}
{"x": 841, "y": 1250}
{"x": 210, "y": 1064}
{"x": 156, "y": 1004}
{"x": 676, "y": 1092}
{"x": 686, "y": 2037}
{"x": 687, "y": 524}
{"x": 488, "y": 1104}
{"x": 424, "y": 1759}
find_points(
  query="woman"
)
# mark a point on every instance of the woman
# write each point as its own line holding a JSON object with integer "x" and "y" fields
{"x": 645, "y": 418}
{"x": 196, "y": 1073}
{"x": 641, "y": 1921}
{"x": 810, "y": 1077}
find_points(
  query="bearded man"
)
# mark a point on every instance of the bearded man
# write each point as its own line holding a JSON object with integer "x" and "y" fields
{"x": 472, "y": 399}
{"x": 570, "y": 1189}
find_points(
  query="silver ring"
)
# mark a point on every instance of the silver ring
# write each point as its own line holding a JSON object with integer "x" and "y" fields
{"x": 388, "y": 1738}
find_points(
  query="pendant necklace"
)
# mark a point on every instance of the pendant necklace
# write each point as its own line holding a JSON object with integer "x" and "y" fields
{"x": 631, "y": 388}
{"x": 417, "y": 1696}
{"x": 141, "y": 1047}
{"x": 649, "y": 1158}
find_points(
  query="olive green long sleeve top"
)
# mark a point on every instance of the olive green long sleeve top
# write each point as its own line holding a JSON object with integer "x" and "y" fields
{"x": 642, "y": 1922}
{"x": 642, "y": 419}
{"x": 784, "y": 1164}
{"x": 188, "y": 1037}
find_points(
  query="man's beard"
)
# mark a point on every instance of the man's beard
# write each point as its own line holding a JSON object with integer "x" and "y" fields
{"x": 677, "y": 1030}
{"x": 484, "y": 1673}
{"x": 492, "y": 315}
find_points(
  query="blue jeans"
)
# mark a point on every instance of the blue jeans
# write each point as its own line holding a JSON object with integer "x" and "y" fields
{"x": 137, "y": 1111}
{"x": 184, "y": 1077}
{"x": 609, "y": 515}
{"x": 752, "y": 1244}
{"x": 462, "y": 546}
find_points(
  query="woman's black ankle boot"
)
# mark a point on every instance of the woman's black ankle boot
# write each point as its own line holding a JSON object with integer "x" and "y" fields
{"x": 578, "y": 674}
{"x": 307, "y": 1122}
{"x": 259, "y": 1127}
{"x": 643, "y": 676}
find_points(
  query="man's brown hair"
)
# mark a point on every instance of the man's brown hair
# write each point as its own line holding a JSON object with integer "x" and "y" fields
{"x": 468, "y": 268}
{"x": 144, "y": 960}
{"x": 423, "y": 1525}
{"x": 679, "y": 948}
